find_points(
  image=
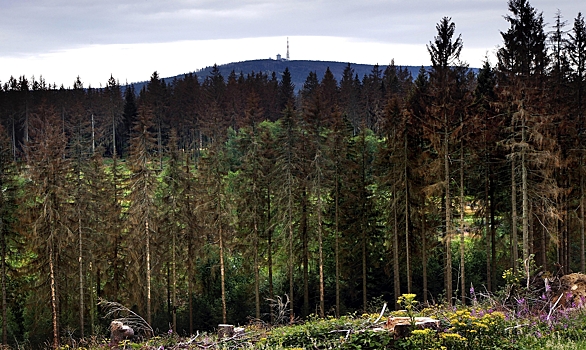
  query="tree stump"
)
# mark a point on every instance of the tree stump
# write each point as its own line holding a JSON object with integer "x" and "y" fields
{"x": 572, "y": 290}
{"x": 225, "y": 331}
{"x": 120, "y": 332}
{"x": 401, "y": 326}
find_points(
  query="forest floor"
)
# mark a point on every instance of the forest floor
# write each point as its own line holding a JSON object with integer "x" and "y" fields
{"x": 534, "y": 313}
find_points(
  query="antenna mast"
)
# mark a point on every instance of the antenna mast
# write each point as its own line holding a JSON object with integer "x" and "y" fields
{"x": 287, "y": 48}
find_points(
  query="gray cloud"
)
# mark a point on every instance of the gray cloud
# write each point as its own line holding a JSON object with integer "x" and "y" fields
{"x": 36, "y": 26}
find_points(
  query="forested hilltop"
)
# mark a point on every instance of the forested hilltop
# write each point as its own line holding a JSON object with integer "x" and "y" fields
{"x": 299, "y": 70}
{"x": 195, "y": 204}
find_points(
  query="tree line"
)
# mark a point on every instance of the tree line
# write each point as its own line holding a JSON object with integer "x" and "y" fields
{"x": 203, "y": 201}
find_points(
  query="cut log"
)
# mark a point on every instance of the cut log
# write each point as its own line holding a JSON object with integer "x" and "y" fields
{"x": 120, "y": 332}
{"x": 225, "y": 331}
{"x": 401, "y": 326}
{"x": 572, "y": 290}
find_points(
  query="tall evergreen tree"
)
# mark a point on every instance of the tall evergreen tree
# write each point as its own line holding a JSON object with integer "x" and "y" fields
{"x": 8, "y": 206}
{"x": 286, "y": 90}
{"x": 142, "y": 211}
{"x": 46, "y": 201}
{"x": 445, "y": 52}
{"x": 576, "y": 48}
{"x": 522, "y": 64}
{"x": 288, "y": 165}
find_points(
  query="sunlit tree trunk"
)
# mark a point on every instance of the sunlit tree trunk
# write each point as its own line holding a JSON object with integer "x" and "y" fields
{"x": 148, "y": 270}
{"x": 54, "y": 296}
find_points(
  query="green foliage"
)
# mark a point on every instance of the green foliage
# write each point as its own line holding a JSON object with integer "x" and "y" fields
{"x": 368, "y": 339}
{"x": 421, "y": 339}
{"x": 408, "y": 302}
{"x": 343, "y": 333}
{"x": 482, "y": 330}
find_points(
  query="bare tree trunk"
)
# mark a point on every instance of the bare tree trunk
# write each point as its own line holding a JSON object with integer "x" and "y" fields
{"x": 26, "y": 122}
{"x": 448, "y": 217}
{"x": 337, "y": 246}
{"x": 3, "y": 268}
{"x": 363, "y": 267}
{"x": 514, "y": 237}
{"x": 290, "y": 226}
{"x": 93, "y": 136}
{"x": 582, "y": 245}
{"x": 160, "y": 143}
{"x": 13, "y": 138}
{"x": 190, "y": 293}
{"x": 363, "y": 224}
{"x": 305, "y": 255}
{"x": 407, "y": 240}
{"x": 148, "y": 270}
{"x": 113, "y": 133}
{"x": 223, "y": 276}
{"x": 54, "y": 297}
{"x": 462, "y": 227}
{"x": 424, "y": 258}
{"x": 526, "y": 249}
{"x": 80, "y": 259}
{"x": 493, "y": 236}
{"x": 270, "y": 252}
{"x": 92, "y": 283}
{"x": 256, "y": 271}
{"x": 174, "y": 281}
{"x": 487, "y": 228}
{"x": 321, "y": 254}
{"x": 396, "y": 276}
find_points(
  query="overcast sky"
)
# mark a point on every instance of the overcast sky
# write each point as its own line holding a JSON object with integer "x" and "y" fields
{"x": 130, "y": 39}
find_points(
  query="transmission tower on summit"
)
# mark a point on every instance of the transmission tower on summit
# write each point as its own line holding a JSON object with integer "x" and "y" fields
{"x": 286, "y": 58}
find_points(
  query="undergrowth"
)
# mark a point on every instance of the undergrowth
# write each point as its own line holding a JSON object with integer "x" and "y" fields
{"x": 532, "y": 312}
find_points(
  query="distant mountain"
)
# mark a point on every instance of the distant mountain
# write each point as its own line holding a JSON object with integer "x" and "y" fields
{"x": 299, "y": 70}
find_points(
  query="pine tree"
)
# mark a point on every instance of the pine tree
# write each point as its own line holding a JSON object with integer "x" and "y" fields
{"x": 114, "y": 108}
{"x": 444, "y": 113}
{"x": 129, "y": 114}
{"x": 522, "y": 63}
{"x": 80, "y": 150}
{"x": 286, "y": 90}
{"x": 350, "y": 96}
{"x": 142, "y": 211}
{"x": 576, "y": 48}
{"x": 157, "y": 99}
{"x": 174, "y": 197}
{"x": 8, "y": 206}
{"x": 288, "y": 165}
{"x": 46, "y": 198}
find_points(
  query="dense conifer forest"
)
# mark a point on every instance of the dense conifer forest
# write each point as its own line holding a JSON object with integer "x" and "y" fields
{"x": 197, "y": 203}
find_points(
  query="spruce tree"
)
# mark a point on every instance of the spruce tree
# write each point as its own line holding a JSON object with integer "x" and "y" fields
{"x": 142, "y": 210}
